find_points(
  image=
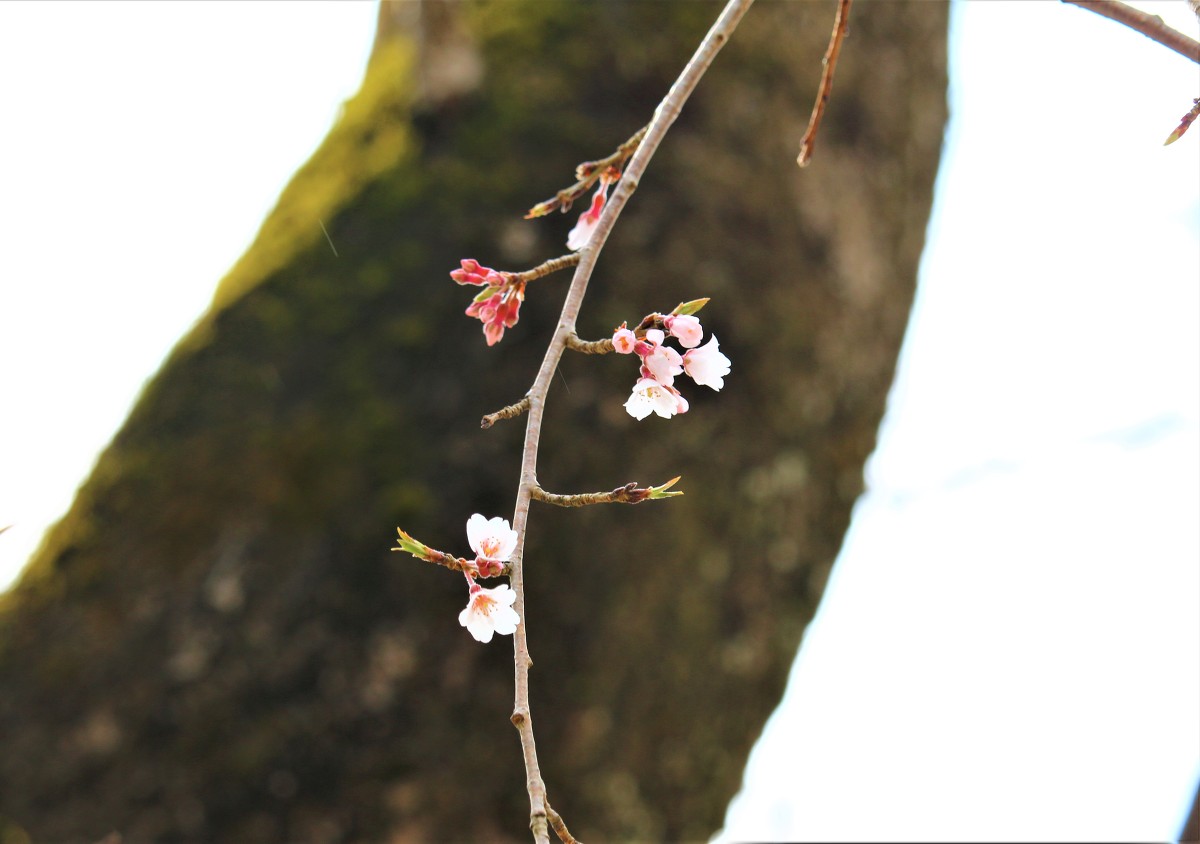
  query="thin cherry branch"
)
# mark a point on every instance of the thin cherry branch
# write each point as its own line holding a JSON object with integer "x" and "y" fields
{"x": 560, "y": 827}
{"x": 545, "y": 268}
{"x": 631, "y": 493}
{"x": 509, "y": 412}
{"x": 589, "y": 347}
{"x": 430, "y": 555}
{"x": 587, "y": 173}
{"x": 1184, "y": 122}
{"x": 828, "y": 63}
{"x": 1152, "y": 26}
{"x": 664, "y": 116}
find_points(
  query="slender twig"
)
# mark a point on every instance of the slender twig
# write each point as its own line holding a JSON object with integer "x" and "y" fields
{"x": 588, "y": 173}
{"x": 628, "y": 494}
{"x": 624, "y": 151}
{"x": 505, "y": 413}
{"x": 1184, "y": 122}
{"x": 545, "y": 268}
{"x": 828, "y": 63}
{"x": 560, "y": 827}
{"x": 664, "y": 116}
{"x": 1152, "y": 26}
{"x": 589, "y": 347}
{"x": 441, "y": 558}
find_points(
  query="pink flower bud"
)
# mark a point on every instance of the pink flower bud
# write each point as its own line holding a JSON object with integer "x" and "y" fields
{"x": 473, "y": 273}
{"x": 686, "y": 329}
{"x": 499, "y": 311}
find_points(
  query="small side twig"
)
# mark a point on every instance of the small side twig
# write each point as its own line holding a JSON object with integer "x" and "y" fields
{"x": 505, "y": 413}
{"x": 587, "y": 173}
{"x": 431, "y": 555}
{"x": 545, "y": 268}
{"x": 1184, "y": 123}
{"x": 1152, "y": 26}
{"x": 829, "y": 62}
{"x": 588, "y": 347}
{"x": 631, "y": 493}
{"x": 591, "y": 168}
{"x": 559, "y": 826}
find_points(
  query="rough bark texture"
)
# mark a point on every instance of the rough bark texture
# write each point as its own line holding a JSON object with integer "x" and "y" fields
{"x": 215, "y": 644}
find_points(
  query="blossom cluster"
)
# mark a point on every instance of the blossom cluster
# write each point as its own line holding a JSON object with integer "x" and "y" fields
{"x": 654, "y": 391}
{"x": 489, "y": 611}
{"x": 498, "y": 304}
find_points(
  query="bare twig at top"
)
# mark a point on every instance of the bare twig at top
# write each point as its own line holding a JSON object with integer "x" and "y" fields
{"x": 829, "y": 62}
{"x": 1152, "y": 26}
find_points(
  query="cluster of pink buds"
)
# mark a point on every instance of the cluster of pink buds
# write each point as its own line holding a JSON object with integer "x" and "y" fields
{"x": 654, "y": 391}
{"x": 498, "y": 304}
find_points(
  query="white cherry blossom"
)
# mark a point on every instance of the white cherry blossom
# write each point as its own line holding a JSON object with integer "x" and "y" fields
{"x": 490, "y": 611}
{"x": 491, "y": 539}
{"x": 706, "y": 365}
{"x": 649, "y": 396}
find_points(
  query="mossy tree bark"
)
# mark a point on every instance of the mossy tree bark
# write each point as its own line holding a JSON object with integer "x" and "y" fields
{"x": 216, "y": 644}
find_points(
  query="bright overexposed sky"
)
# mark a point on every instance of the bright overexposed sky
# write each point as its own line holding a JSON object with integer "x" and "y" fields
{"x": 142, "y": 146}
{"x": 1010, "y": 643}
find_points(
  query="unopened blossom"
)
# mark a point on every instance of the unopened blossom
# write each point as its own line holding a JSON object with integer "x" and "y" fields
{"x": 579, "y": 236}
{"x": 493, "y": 542}
{"x": 686, "y": 329}
{"x": 706, "y": 365}
{"x": 650, "y": 341}
{"x": 490, "y": 611}
{"x": 473, "y": 272}
{"x": 662, "y": 363}
{"x": 649, "y": 396}
{"x": 497, "y": 309}
{"x": 624, "y": 340}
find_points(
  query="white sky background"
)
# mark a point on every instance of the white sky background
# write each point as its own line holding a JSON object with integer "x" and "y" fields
{"x": 1010, "y": 643}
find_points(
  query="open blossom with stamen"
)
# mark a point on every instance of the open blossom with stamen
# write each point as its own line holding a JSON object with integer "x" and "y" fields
{"x": 706, "y": 365}
{"x": 686, "y": 329}
{"x": 490, "y": 611}
{"x": 649, "y": 396}
{"x": 493, "y": 542}
{"x": 624, "y": 340}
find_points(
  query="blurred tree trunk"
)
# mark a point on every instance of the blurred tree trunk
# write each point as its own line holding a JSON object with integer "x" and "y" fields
{"x": 215, "y": 644}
